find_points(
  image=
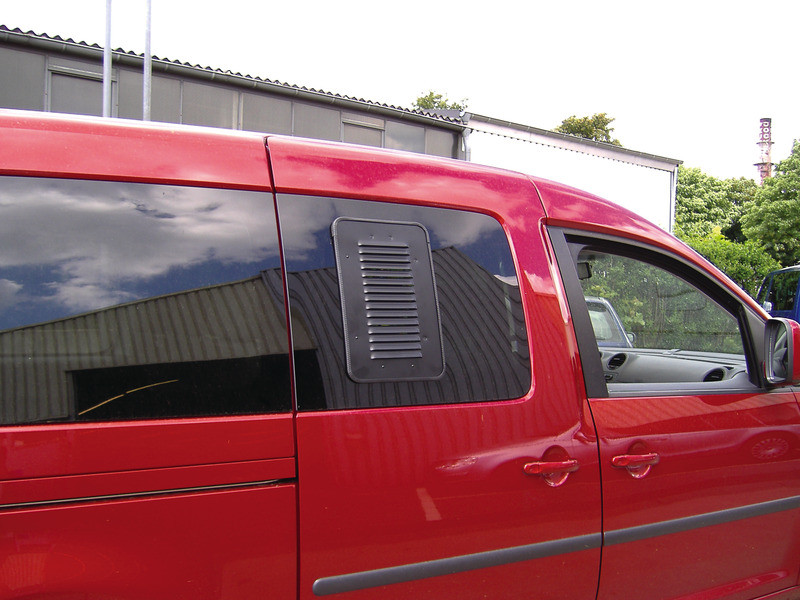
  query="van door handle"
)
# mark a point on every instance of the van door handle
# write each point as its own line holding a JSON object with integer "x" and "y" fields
{"x": 638, "y": 465}
{"x": 551, "y": 467}
{"x": 625, "y": 461}
{"x": 554, "y": 472}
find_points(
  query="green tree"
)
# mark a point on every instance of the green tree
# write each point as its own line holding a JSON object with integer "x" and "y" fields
{"x": 746, "y": 263}
{"x": 597, "y": 128}
{"x": 435, "y": 101}
{"x": 704, "y": 203}
{"x": 773, "y": 219}
{"x": 740, "y": 193}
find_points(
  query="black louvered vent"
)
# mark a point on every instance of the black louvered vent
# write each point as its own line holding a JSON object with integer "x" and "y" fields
{"x": 616, "y": 361}
{"x": 389, "y": 309}
{"x": 390, "y": 299}
{"x": 717, "y": 374}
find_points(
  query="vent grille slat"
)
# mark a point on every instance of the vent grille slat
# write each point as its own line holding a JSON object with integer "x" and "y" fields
{"x": 387, "y": 286}
{"x": 406, "y": 317}
{"x": 411, "y": 330}
{"x": 395, "y": 346}
{"x": 387, "y": 322}
{"x": 398, "y": 337}
{"x": 402, "y": 305}
{"x": 387, "y": 276}
{"x": 395, "y": 354}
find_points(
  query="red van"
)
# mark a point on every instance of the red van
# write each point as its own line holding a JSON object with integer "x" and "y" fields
{"x": 243, "y": 366}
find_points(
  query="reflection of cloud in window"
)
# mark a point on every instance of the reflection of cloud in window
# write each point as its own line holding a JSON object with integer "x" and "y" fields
{"x": 96, "y": 238}
{"x": 87, "y": 296}
{"x": 303, "y": 216}
{"x": 9, "y": 293}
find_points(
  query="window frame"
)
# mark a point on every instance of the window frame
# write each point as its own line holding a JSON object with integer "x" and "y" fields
{"x": 568, "y": 242}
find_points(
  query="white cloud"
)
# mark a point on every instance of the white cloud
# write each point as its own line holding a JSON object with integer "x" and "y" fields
{"x": 9, "y": 293}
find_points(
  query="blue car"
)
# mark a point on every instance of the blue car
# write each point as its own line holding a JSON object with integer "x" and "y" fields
{"x": 778, "y": 293}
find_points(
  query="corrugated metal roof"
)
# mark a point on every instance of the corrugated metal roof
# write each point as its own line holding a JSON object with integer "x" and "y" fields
{"x": 95, "y": 51}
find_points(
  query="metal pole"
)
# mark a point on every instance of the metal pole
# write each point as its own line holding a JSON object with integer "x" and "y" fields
{"x": 107, "y": 64}
{"x": 148, "y": 67}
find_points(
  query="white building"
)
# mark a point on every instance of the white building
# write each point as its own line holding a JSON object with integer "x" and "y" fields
{"x": 641, "y": 182}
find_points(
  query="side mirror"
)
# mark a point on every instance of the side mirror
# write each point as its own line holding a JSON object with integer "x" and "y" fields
{"x": 584, "y": 270}
{"x": 781, "y": 361}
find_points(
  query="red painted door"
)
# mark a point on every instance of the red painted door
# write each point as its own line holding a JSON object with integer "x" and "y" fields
{"x": 147, "y": 439}
{"x": 477, "y": 481}
{"x": 700, "y": 461}
{"x": 719, "y": 513}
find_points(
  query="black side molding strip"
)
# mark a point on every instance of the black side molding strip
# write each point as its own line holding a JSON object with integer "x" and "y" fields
{"x": 651, "y": 530}
{"x": 456, "y": 564}
{"x": 493, "y": 558}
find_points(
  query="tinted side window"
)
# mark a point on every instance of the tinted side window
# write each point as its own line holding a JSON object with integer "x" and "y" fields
{"x": 135, "y": 301}
{"x": 662, "y": 332}
{"x": 658, "y": 309}
{"x": 483, "y": 354}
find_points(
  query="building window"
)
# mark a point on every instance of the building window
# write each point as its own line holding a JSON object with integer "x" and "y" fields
{"x": 402, "y": 136}
{"x": 440, "y": 143}
{"x": 75, "y": 92}
{"x": 317, "y": 122}
{"x": 266, "y": 114}
{"x": 209, "y": 105}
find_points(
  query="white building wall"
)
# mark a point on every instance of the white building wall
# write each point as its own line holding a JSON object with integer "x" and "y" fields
{"x": 639, "y": 182}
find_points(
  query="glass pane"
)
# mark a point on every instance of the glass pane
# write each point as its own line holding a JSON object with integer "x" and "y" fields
{"x": 482, "y": 322}
{"x": 358, "y": 118}
{"x": 440, "y": 143}
{"x": 76, "y": 95}
{"x": 165, "y": 97}
{"x": 166, "y": 101}
{"x": 655, "y": 325}
{"x": 401, "y": 136}
{"x": 129, "y": 94}
{"x": 317, "y": 123}
{"x": 266, "y": 114}
{"x": 366, "y": 136}
{"x": 209, "y": 105}
{"x": 23, "y": 74}
{"x": 133, "y": 301}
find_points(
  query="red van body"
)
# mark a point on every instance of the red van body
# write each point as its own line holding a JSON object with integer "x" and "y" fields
{"x": 496, "y": 449}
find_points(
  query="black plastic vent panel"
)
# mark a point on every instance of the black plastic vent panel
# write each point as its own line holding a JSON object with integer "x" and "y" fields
{"x": 616, "y": 361}
{"x": 717, "y": 374}
{"x": 390, "y": 311}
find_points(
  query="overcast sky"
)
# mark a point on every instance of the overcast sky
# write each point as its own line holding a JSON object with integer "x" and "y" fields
{"x": 684, "y": 79}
